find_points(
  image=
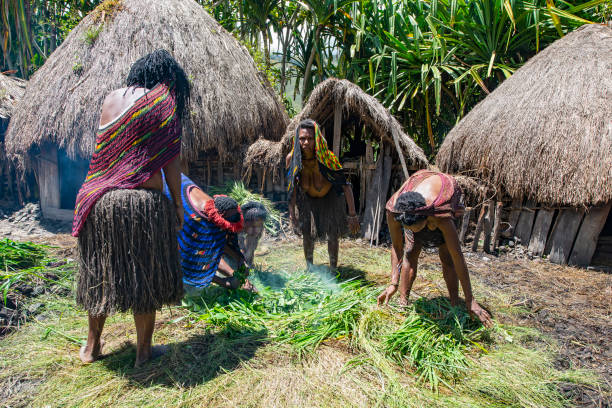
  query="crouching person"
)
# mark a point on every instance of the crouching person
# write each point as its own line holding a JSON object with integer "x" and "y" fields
{"x": 210, "y": 228}
{"x": 255, "y": 216}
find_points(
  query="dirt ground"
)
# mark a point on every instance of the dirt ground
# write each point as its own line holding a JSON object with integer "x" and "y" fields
{"x": 573, "y": 306}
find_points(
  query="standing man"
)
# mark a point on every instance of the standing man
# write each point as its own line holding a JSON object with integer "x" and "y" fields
{"x": 126, "y": 227}
{"x": 319, "y": 187}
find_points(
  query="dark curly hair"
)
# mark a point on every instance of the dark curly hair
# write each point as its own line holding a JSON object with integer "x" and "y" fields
{"x": 406, "y": 205}
{"x": 160, "y": 67}
{"x": 225, "y": 204}
{"x": 254, "y": 210}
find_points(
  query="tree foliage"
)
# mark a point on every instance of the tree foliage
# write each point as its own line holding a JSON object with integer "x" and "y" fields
{"x": 428, "y": 61}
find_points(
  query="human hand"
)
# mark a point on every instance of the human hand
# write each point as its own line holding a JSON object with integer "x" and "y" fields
{"x": 353, "y": 224}
{"x": 383, "y": 298}
{"x": 247, "y": 285}
{"x": 478, "y": 312}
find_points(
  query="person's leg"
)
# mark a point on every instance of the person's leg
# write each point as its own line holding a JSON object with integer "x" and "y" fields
{"x": 333, "y": 245}
{"x": 145, "y": 324}
{"x": 90, "y": 352}
{"x": 409, "y": 272}
{"x": 450, "y": 276}
{"x": 308, "y": 240}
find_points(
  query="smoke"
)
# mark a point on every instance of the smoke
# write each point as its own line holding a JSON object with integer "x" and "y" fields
{"x": 326, "y": 277}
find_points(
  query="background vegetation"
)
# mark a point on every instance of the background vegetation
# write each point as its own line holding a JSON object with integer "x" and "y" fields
{"x": 429, "y": 61}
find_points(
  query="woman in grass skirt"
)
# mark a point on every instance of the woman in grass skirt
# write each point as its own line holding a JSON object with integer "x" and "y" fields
{"x": 126, "y": 226}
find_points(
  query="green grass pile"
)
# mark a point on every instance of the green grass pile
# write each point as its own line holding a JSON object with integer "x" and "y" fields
{"x": 435, "y": 339}
{"x": 21, "y": 262}
{"x": 238, "y": 191}
{"x": 21, "y": 255}
{"x": 304, "y": 309}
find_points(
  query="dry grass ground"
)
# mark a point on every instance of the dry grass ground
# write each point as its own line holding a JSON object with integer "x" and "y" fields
{"x": 549, "y": 318}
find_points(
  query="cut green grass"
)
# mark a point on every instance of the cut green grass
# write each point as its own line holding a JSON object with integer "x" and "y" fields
{"x": 303, "y": 341}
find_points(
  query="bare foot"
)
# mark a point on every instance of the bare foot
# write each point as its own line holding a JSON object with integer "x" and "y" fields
{"x": 90, "y": 354}
{"x": 154, "y": 352}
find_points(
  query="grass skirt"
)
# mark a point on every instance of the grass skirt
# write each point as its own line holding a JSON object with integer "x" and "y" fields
{"x": 324, "y": 217}
{"x": 128, "y": 254}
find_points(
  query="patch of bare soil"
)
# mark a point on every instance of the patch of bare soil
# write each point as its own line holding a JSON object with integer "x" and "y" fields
{"x": 572, "y": 305}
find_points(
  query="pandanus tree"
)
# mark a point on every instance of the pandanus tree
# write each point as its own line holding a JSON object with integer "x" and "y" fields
{"x": 430, "y": 61}
{"x": 31, "y": 30}
{"x": 321, "y": 15}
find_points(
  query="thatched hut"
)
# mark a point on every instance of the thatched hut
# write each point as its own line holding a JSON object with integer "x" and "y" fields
{"x": 543, "y": 139}
{"x": 11, "y": 91}
{"x": 232, "y": 104}
{"x": 362, "y": 133}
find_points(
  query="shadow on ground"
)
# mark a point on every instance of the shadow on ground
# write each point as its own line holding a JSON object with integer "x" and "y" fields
{"x": 350, "y": 273}
{"x": 189, "y": 363}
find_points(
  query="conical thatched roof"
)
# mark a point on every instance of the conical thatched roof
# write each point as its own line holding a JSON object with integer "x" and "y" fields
{"x": 546, "y": 132}
{"x": 320, "y": 107}
{"x": 11, "y": 91}
{"x": 231, "y": 103}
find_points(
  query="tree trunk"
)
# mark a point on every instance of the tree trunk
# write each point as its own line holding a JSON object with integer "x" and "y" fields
{"x": 310, "y": 61}
{"x": 266, "y": 45}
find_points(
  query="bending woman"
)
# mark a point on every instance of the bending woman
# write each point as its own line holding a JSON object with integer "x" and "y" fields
{"x": 424, "y": 208}
{"x": 126, "y": 227}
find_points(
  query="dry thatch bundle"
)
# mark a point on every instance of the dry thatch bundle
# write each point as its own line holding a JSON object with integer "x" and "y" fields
{"x": 546, "y": 132}
{"x": 232, "y": 103}
{"x": 11, "y": 91}
{"x": 320, "y": 107}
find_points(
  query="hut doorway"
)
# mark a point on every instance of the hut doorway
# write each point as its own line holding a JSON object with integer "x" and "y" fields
{"x": 603, "y": 251}
{"x": 59, "y": 179}
{"x": 72, "y": 173}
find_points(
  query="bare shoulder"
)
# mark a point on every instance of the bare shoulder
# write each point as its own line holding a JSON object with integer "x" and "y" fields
{"x": 125, "y": 94}
{"x": 288, "y": 159}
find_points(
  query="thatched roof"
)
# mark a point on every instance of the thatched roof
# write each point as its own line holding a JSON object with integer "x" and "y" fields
{"x": 232, "y": 104}
{"x": 320, "y": 107}
{"x": 11, "y": 91}
{"x": 546, "y": 132}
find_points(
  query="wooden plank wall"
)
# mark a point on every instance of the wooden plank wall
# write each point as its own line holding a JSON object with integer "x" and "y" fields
{"x": 566, "y": 235}
{"x": 588, "y": 236}
{"x": 562, "y": 236}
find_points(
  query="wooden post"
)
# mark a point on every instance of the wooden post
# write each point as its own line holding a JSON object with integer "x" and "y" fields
{"x": 236, "y": 170}
{"x": 525, "y": 223}
{"x": 399, "y": 152}
{"x": 208, "y": 172}
{"x": 337, "y": 128}
{"x": 384, "y": 187}
{"x": 513, "y": 218}
{"x": 497, "y": 225}
{"x": 563, "y": 234}
{"x": 376, "y": 195}
{"x": 48, "y": 178}
{"x": 269, "y": 184}
{"x": 487, "y": 227}
{"x": 465, "y": 223}
{"x": 363, "y": 174}
{"x": 479, "y": 226}
{"x": 219, "y": 172}
{"x": 586, "y": 241}
{"x": 537, "y": 243}
{"x": 262, "y": 179}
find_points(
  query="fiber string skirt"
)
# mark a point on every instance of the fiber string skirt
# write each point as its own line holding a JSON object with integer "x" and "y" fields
{"x": 128, "y": 254}
{"x": 324, "y": 217}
